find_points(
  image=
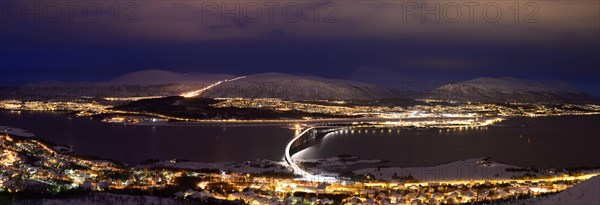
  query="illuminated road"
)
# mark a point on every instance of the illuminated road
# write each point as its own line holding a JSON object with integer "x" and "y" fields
{"x": 582, "y": 177}
{"x": 197, "y": 93}
{"x": 316, "y": 133}
{"x": 355, "y": 121}
{"x": 290, "y": 161}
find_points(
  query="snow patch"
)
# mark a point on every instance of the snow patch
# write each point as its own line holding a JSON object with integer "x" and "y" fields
{"x": 15, "y": 131}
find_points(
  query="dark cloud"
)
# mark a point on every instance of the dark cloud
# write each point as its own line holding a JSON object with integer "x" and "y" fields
{"x": 562, "y": 44}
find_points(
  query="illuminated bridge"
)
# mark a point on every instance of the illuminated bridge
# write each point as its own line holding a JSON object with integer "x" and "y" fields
{"x": 305, "y": 139}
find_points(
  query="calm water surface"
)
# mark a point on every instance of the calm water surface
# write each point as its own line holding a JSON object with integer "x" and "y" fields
{"x": 566, "y": 141}
{"x": 542, "y": 142}
{"x": 134, "y": 144}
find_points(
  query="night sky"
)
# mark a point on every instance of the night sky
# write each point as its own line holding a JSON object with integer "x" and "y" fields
{"x": 99, "y": 40}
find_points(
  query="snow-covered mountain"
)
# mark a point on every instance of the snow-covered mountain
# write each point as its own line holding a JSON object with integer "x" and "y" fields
{"x": 409, "y": 86}
{"x": 298, "y": 87}
{"x": 508, "y": 89}
{"x": 292, "y": 87}
{"x": 167, "y": 83}
{"x": 135, "y": 84}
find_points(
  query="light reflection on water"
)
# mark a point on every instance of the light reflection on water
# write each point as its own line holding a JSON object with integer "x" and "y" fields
{"x": 567, "y": 141}
{"x": 134, "y": 144}
{"x": 542, "y": 142}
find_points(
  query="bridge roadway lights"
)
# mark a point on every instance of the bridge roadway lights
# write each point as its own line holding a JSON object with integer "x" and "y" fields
{"x": 314, "y": 132}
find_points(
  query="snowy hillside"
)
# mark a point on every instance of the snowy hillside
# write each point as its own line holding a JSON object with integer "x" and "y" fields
{"x": 279, "y": 85}
{"x": 296, "y": 87}
{"x": 135, "y": 84}
{"x": 587, "y": 192}
{"x": 584, "y": 193}
{"x": 167, "y": 83}
{"x": 469, "y": 169}
{"x": 509, "y": 89}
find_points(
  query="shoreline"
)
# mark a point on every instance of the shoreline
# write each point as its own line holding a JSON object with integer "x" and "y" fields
{"x": 253, "y": 178}
{"x": 16, "y": 131}
{"x": 220, "y": 162}
{"x": 420, "y": 173}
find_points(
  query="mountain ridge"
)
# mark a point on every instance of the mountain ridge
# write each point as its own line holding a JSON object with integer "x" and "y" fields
{"x": 293, "y": 87}
{"x": 510, "y": 89}
{"x": 303, "y": 87}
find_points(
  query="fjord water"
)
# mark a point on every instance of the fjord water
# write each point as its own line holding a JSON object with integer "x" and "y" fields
{"x": 543, "y": 142}
{"x": 567, "y": 141}
{"x": 135, "y": 144}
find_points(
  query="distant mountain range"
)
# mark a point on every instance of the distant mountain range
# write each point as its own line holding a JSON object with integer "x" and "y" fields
{"x": 508, "y": 89}
{"x": 365, "y": 83}
{"x": 135, "y": 84}
{"x": 292, "y": 87}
